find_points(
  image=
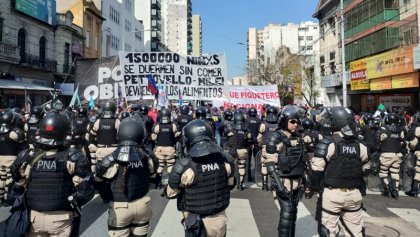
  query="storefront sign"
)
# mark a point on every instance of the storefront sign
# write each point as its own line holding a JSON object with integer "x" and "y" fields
{"x": 394, "y": 62}
{"x": 331, "y": 80}
{"x": 405, "y": 80}
{"x": 416, "y": 57}
{"x": 380, "y": 84}
{"x": 395, "y": 102}
{"x": 361, "y": 84}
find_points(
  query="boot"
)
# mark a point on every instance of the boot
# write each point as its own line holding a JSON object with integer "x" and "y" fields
{"x": 308, "y": 193}
{"x": 414, "y": 189}
{"x": 394, "y": 189}
{"x": 385, "y": 191}
{"x": 241, "y": 183}
{"x": 158, "y": 181}
{"x": 265, "y": 183}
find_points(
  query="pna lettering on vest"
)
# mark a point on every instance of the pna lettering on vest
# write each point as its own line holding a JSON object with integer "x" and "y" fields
{"x": 210, "y": 167}
{"x": 349, "y": 150}
{"x": 46, "y": 165}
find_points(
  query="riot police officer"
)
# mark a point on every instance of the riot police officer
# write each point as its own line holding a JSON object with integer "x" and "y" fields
{"x": 164, "y": 134}
{"x": 286, "y": 165}
{"x": 253, "y": 124}
{"x": 67, "y": 173}
{"x": 124, "y": 181}
{"x": 311, "y": 137}
{"x": 79, "y": 129}
{"x": 184, "y": 118}
{"x": 227, "y": 125}
{"x": 32, "y": 125}
{"x": 238, "y": 141}
{"x": 11, "y": 139}
{"x": 392, "y": 147}
{"x": 339, "y": 161}
{"x": 200, "y": 113}
{"x": 203, "y": 179}
{"x": 413, "y": 139}
{"x": 104, "y": 132}
{"x": 266, "y": 129}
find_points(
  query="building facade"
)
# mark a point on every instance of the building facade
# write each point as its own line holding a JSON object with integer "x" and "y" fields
{"x": 197, "y": 37}
{"x": 150, "y": 13}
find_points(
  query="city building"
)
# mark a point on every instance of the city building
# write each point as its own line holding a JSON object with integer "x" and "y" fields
{"x": 27, "y": 52}
{"x": 89, "y": 18}
{"x": 240, "y": 80}
{"x": 197, "y": 37}
{"x": 300, "y": 39}
{"x": 150, "y": 13}
{"x": 177, "y": 26}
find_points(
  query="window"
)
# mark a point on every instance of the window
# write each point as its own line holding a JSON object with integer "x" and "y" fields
{"x": 301, "y": 37}
{"x": 322, "y": 69}
{"x": 309, "y": 47}
{"x": 332, "y": 56}
{"x": 96, "y": 42}
{"x": 408, "y": 37}
{"x": 42, "y": 48}
{"x": 332, "y": 67}
{"x": 66, "y": 57}
{"x": 1, "y": 29}
{"x": 309, "y": 38}
{"x": 322, "y": 59}
{"x": 87, "y": 41}
{"x": 22, "y": 43}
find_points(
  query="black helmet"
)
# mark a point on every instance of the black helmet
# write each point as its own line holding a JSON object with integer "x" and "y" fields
{"x": 53, "y": 129}
{"x": 307, "y": 123}
{"x": 131, "y": 131}
{"x": 185, "y": 109}
{"x": 252, "y": 112}
{"x": 416, "y": 119}
{"x": 239, "y": 121}
{"x": 7, "y": 121}
{"x": 83, "y": 112}
{"x": 144, "y": 109}
{"x": 228, "y": 115}
{"x": 392, "y": 118}
{"x": 198, "y": 139}
{"x": 38, "y": 112}
{"x": 288, "y": 112}
{"x": 200, "y": 113}
{"x": 165, "y": 116}
{"x": 209, "y": 116}
{"x": 341, "y": 117}
{"x": 271, "y": 116}
{"x": 130, "y": 136}
{"x": 124, "y": 115}
{"x": 109, "y": 109}
{"x": 367, "y": 118}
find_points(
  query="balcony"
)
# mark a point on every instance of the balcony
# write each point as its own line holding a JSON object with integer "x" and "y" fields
{"x": 36, "y": 62}
{"x": 155, "y": 14}
{"x": 155, "y": 25}
{"x": 156, "y": 36}
{"x": 9, "y": 53}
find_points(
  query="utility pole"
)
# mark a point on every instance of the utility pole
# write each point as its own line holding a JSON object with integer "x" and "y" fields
{"x": 343, "y": 58}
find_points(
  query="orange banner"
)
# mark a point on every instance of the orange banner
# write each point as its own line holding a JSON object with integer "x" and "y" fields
{"x": 394, "y": 62}
{"x": 358, "y": 65}
{"x": 359, "y": 85}
{"x": 380, "y": 84}
{"x": 405, "y": 80}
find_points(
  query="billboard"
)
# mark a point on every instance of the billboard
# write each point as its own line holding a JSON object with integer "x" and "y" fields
{"x": 43, "y": 10}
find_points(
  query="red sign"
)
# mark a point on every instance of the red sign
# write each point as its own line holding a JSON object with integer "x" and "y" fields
{"x": 359, "y": 74}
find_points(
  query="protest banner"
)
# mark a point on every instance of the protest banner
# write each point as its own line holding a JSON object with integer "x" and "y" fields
{"x": 195, "y": 78}
{"x": 250, "y": 96}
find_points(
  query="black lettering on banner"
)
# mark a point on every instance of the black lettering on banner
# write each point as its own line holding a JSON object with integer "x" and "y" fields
{"x": 164, "y": 57}
{"x": 128, "y": 69}
{"x": 186, "y": 70}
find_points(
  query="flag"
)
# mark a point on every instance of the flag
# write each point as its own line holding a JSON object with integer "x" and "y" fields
{"x": 151, "y": 85}
{"x": 74, "y": 97}
{"x": 180, "y": 97}
{"x": 91, "y": 103}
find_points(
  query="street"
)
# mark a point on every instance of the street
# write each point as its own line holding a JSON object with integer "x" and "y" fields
{"x": 252, "y": 213}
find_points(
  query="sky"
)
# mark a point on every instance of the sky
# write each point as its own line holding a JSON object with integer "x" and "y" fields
{"x": 225, "y": 24}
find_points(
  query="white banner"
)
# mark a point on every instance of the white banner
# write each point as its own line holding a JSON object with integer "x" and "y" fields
{"x": 195, "y": 78}
{"x": 250, "y": 96}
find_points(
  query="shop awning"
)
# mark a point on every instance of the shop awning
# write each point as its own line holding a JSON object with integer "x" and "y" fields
{"x": 17, "y": 85}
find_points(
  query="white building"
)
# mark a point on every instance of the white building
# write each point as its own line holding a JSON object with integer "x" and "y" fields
{"x": 197, "y": 37}
{"x": 149, "y": 12}
{"x": 240, "y": 80}
{"x": 121, "y": 30}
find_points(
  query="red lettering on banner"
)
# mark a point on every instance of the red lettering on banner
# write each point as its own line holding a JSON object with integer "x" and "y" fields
{"x": 234, "y": 95}
{"x": 360, "y": 74}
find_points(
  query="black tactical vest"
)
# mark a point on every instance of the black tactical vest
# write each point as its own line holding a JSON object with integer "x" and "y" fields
{"x": 50, "y": 184}
{"x": 254, "y": 126}
{"x": 392, "y": 143}
{"x": 238, "y": 139}
{"x": 32, "y": 128}
{"x": 80, "y": 126}
{"x": 107, "y": 133}
{"x": 209, "y": 194}
{"x": 132, "y": 181}
{"x": 344, "y": 170}
{"x": 182, "y": 120}
{"x": 148, "y": 123}
{"x": 369, "y": 136}
{"x": 8, "y": 147}
{"x": 166, "y": 136}
{"x": 269, "y": 129}
{"x": 291, "y": 158}
{"x": 227, "y": 126}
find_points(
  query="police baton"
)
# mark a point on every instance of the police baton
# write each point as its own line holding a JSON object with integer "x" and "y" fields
{"x": 74, "y": 205}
